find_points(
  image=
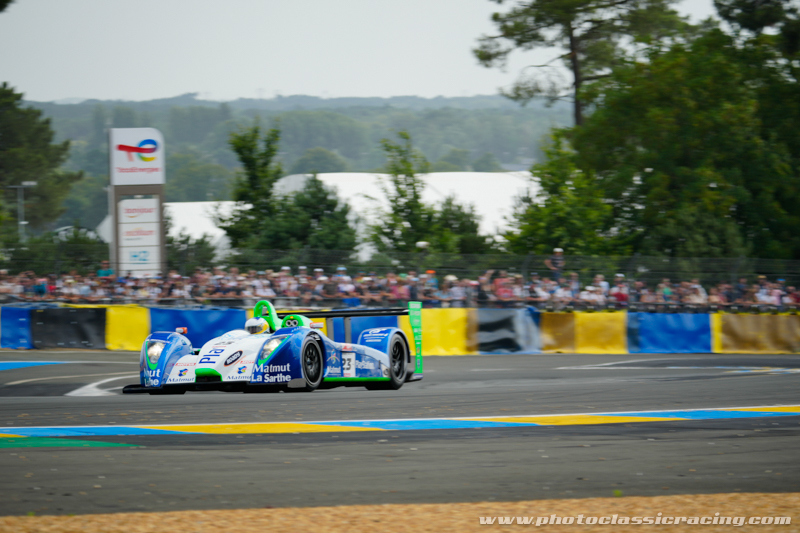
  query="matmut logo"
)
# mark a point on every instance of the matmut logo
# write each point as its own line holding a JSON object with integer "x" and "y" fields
{"x": 147, "y": 146}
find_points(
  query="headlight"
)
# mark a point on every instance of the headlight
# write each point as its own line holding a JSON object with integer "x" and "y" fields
{"x": 154, "y": 351}
{"x": 270, "y": 346}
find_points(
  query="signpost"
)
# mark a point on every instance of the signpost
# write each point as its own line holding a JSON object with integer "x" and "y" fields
{"x": 136, "y": 201}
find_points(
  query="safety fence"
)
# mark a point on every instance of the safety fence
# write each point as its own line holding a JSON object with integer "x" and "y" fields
{"x": 445, "y": 331}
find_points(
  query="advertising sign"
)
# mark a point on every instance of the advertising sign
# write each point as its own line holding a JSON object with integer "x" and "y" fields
{"x": 139, "y": 236}
{"x": 139, "y": 211}
{"x": 415, "y": 319}
{"x": 136, "y": 156}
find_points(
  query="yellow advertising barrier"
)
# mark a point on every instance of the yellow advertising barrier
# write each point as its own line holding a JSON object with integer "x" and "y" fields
{"x": 127, "y": 326}
{"x": 601, "y": 332}
{"x": 557, "y": 332}
{"x": 444, "y": 332}
{"x": 732, "y": 333}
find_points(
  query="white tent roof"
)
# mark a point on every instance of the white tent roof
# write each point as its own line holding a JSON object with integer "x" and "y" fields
{"x": 491, "y": 193}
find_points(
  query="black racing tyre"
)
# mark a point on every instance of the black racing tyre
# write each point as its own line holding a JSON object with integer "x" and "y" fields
{"x": 398, "y": 357}
{"x": 311, "y": 362}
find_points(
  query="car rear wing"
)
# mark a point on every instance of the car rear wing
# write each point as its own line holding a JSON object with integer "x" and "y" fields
{"x": 414, "y": 312}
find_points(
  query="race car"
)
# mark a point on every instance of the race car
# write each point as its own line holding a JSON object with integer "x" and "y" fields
{"x": 286, "y": 352}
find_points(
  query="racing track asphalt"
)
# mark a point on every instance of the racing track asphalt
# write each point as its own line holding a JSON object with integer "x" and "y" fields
{"x": 229, "y": 471}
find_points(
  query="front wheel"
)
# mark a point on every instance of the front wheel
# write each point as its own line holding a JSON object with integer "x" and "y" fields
{"x": 311, "y": 363}
{"x": 398, "y": 355}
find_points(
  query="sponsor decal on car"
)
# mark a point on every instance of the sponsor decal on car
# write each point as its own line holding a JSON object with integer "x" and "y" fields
{"x": 333, "y": 360}
{"x": 185, "y": 364}
{"x": 180, "y": 380}
{"x": 278, "y": 378}
{"x": 183, "y": 372}
{"x": 366, "y": 365}
{"x": 209, "y": 357}
{"x": 241, "y": 369}
{"x": 272, "y": 368}
{"x": 233, "y": 358}
{"x": 348, "y": 364}
{"x": 376, "y": 335}
{"x": 222, "y": 344}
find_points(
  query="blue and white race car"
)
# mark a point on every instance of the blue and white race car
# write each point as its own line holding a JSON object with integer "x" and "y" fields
{"x": 283, "y": 352}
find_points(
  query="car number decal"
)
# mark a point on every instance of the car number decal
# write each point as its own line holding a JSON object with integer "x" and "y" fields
{"x": 348, "y": 365}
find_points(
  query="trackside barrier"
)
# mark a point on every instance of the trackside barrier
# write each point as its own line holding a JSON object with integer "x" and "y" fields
{"x": 127, "y": 326}
{"x": 69, "y": 328}
{"x": 601, "y": 332}
{"x": 507, "y": 331}
{"x": 668, "y": 333}
{"x": 755, "y": 333}
{"x": 445, "y": 331}
{"x": 15, "y": 328}
{"x": 557, "y": 332}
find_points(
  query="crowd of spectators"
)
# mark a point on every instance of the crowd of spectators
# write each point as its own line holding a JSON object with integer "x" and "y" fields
{"x": 318, "y": 288}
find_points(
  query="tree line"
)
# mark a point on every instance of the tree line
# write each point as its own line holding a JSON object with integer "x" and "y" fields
{"x": 684, "y": 140}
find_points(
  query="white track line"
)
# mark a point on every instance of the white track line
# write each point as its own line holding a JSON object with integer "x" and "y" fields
{"x": 9, "y": 429}
{"x": 62, "y": 377}
{"x": 93, "y": 389}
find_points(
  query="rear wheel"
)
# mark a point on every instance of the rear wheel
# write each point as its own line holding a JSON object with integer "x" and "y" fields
{"x": 311, "y": 362}
{"x": 398, "y": 355}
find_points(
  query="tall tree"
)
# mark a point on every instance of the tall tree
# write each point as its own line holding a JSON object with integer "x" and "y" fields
{"x": 677, "y": 145}
{"x": 568, "y": 211}
{"x": 409, "y": 218}
{"x": 27, "y": 153}
{"x": 313, "y": 217}
{"x": 450, "y": 227}
{"x": 754, "y": 15}
{"x": 253, "y": 187}
{"x": 592, "y": 34}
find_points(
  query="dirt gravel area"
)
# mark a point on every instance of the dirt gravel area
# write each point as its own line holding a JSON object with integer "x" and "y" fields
{"x": 435, "y": 517}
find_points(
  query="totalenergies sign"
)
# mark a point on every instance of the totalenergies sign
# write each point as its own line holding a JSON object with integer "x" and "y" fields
{"x": 136, "y": 156}
{"x": 147, "y": 146}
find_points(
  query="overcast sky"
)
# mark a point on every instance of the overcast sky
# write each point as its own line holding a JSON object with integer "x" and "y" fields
{"x": 117, "y": 49}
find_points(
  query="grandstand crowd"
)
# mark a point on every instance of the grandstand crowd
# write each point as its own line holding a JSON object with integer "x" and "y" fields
{"x": 317, "y": 288}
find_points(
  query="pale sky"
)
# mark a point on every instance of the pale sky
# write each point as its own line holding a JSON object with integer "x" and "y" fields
{"x": 123, "y": 50}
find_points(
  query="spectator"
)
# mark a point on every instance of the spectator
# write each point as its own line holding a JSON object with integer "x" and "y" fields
{"x": 556, "y": 262}
{"x": 457, "y": 291}
{"x": 715, "y": 297}
{"x": 105, "y": 270}
{"x": 601, "y": 284}
{"x": 619, "y": 293}
{"x": 574, "y": 284}
{"x": 592, "y": 296}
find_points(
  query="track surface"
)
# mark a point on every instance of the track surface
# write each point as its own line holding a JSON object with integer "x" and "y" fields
{"x": 175, "y": 472}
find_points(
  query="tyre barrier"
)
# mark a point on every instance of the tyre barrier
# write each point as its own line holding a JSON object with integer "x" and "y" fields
{"x": 445, "y": 331}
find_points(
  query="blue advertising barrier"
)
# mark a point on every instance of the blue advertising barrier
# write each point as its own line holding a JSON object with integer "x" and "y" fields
{"x": 203, "y": 324}
{"x": 15, "y": 328}
{"x": 669, "y": 333}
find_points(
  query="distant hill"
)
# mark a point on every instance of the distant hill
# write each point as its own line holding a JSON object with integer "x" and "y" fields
{"x": 300, "y": 101}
